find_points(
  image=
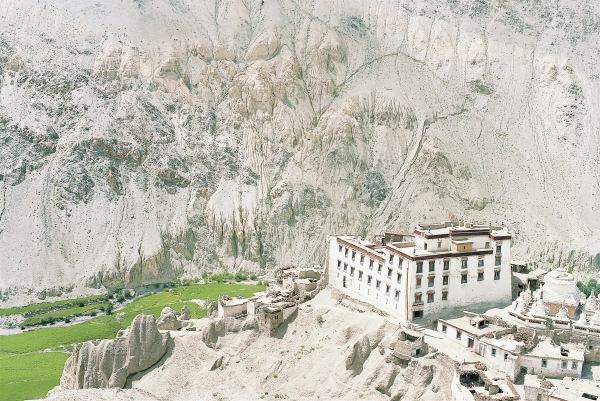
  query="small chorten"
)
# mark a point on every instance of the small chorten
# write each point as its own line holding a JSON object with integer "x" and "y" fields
{"x": 562, "y": 313}
{"x": 539, "y": 309}
{"x": 595, "y": 320}
{"x": 591, "y": 304}
{"x": 582, "y": 320}
{"x": 519, "y": 306}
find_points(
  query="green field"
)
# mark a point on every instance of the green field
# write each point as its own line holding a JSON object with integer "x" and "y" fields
{"x": 29, "y": 375}
{"x": 28, "y": 370}
{"x": 42, "y": 307}
{"x": 64, "y": 313}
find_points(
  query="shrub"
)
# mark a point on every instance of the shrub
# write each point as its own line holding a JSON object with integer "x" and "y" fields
{"x": 252, "y": 276}
{"x": 108, "y": 309}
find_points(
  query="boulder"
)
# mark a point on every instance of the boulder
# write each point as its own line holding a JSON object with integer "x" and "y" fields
{"x": 108, "y": 363}
{"x": 185, "y": 313}
{"x": 168, "y": 320}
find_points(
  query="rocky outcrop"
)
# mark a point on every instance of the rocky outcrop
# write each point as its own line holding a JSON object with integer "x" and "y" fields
{"x": 108, "y": 363}
{"x": 168, "y": 320}
{"x": 219, "y": 327}
{"x": 361, "y": 350}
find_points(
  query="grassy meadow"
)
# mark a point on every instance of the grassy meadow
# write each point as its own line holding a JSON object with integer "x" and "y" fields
{"x": 31, "y": 363}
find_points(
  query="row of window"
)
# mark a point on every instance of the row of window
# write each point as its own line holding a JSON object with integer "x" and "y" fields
{"x": 388, "y": 287}
{"x": 430, "y": 297}
{"x": 431, "y": 263}
{"x": 464, "y": 277}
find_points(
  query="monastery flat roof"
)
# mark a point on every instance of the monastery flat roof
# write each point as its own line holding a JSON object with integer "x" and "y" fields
{"x": 234, "y": 301}
{"x": 464, "y": 323}
{"x": 568, "y": 388}
{"x": 506, "y": 342}
{"x": 449, "y": 229}
{"x": 414, "y": 253}
{"x": 546, "y": 349}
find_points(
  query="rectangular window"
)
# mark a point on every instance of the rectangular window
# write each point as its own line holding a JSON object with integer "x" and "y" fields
{"x": 444, "y": 295}
{"x": 400, "y": 260}
{"x": 499, "y": 248}
{"x": 497, "y": 275}
{"x": 498, "y": 260}
{"x": 339, "y": 264}
{"x": 362, "y": 259}
{"x": 339, "y": 248}
{"x": 463, "y": 263}
{"x": 353, "y": 255}
{"x": 379, "y": 268}
{"x": 370, "y": 263}
{"x": 389, "y": 272}
{"x": 397, "y": 295}
{"x": 444, "y": 328}
{"x": 360, "y": 274}
{"x": 480, "y": 261}
{"x": 378, "y": 284}
{"x": 564, "y": 364}
{"x": 544, "y": 363}
{"x": 432, "y": 266}
{"x": 418, "y": 282}
{"x": 398, "y": 277}
{"x": 493, "y": 351}
{"x": 430, "y": 297}
{"x": 458, "y": 335}
{"x": 487, "y": 245}
{"x": 387, "y": 289}
{"x": 446, "y": 264}
{"x": 505, "y": 356}
{"x": 463, "y": 278}
{"x": 425, "y": 245}
{"x": 480, "y": 276}
{"x": 369, "y": 280}
{"x": 445, "y": 280}
{"x": 430, "y": 281}
{"x": 418, "y": 298}
{"x": 391, "y": 259}
{"x": 351, "y": 271}
{"x": 439, "y": 244}
{"x": 419, "y": 267}
{"x": 345, "y": 267}
{"x": 574, "y": 365}
{"x": 346, "y": 252}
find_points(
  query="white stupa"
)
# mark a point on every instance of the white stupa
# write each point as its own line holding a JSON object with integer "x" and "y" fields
{"x": 582, "y": 320}
{"x": 559, "y": 287}
{"x": 562, "y": 313}
{"x": 518, "y": 306}
{"x": 539, "y": 309}
{"x": 595, "y": 320}
{"x": 591, "y": 304}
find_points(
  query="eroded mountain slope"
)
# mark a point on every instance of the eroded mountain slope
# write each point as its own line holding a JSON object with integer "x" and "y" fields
{"x": 146, "y": 139}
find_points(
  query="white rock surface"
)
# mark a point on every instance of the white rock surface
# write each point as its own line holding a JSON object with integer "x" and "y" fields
{"x": 308, "y": 362}
{"x": 108, "y": 363}
{"x": 145, "y": 139}
{"x": 168, "y": 320}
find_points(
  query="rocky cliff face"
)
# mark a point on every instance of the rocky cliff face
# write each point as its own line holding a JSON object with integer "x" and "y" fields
{"x": 142, "y": 140}
{"x": 108, "y": 363}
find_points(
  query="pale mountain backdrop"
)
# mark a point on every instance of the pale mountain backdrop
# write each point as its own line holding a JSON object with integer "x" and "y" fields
{"x": 141, "y": 140}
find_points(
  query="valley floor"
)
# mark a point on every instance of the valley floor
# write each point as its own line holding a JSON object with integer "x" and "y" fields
{"x": 31, "y": 362}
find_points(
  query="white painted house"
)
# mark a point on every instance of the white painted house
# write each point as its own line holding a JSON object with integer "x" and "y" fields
{"x": 440, "y": 266}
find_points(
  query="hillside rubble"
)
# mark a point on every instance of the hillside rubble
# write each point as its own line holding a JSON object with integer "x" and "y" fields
{"x": 326, "y": 352}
